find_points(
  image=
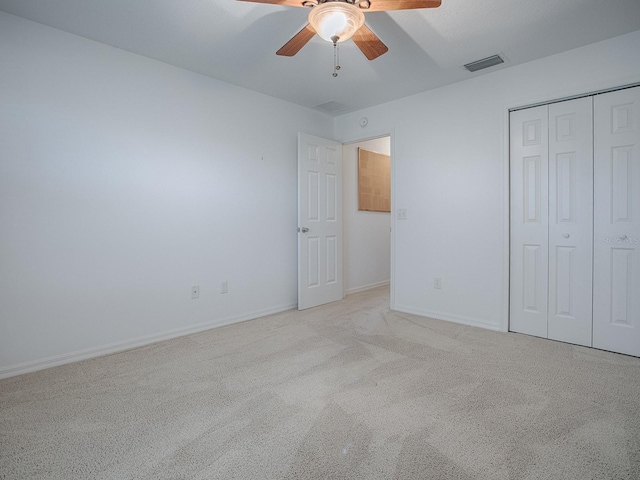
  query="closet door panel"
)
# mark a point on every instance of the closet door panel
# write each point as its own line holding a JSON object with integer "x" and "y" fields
{"x": 616, "y": 301}
{"x": 570, "y": 221}
{"x": 529, "y": 221}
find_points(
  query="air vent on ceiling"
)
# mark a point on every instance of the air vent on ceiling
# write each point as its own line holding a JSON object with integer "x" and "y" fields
{"x": 484, "y": 63}
{"x": 331, "y": 107}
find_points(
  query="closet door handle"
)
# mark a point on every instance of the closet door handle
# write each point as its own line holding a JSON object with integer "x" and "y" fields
{"x": 566, "y": 235}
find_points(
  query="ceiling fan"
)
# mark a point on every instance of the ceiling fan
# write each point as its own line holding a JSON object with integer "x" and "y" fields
{"x": 340, "y": 20}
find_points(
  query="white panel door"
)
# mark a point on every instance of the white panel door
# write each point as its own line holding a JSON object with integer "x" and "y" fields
{"x": 529, "y": 221}
{"x": 570, "y": 221}
{"x": 319, "y": 221}
{"x": 616, "y": 297}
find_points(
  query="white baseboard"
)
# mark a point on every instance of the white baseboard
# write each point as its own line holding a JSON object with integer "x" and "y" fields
{"x": 121, "y": 346}
{"x": 473, "y": 322}
{"x": 367, "y": 287}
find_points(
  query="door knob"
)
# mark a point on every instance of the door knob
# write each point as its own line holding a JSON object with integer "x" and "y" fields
{"x": 565, "y": 235}
{"x": 303, "y": 229}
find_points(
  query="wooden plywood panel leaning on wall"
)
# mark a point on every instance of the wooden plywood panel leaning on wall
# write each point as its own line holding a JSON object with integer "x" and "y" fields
{"x": 374, "y": 181}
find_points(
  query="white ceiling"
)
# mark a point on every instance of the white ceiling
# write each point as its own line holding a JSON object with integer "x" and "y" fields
{"x": 236, "y": 41}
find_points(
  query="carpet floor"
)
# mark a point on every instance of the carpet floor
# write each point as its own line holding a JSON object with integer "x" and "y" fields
{"x": 348, "y": 390}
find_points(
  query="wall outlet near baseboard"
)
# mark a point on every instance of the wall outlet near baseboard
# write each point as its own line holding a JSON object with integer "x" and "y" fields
{"x": 195, "y": 292}
{"x": 437, "y": 283}
{"x": 224, "y": 287}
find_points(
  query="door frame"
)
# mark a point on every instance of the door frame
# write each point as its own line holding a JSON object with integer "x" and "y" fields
{"x": 560, "y": 96}
{"x": 365, "y": 136}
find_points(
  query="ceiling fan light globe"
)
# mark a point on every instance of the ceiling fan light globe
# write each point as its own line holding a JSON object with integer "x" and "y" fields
{"x": 336, "y": 19}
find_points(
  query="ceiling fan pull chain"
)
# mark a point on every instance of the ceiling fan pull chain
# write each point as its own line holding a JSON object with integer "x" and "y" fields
{"x": 336, "y": 59}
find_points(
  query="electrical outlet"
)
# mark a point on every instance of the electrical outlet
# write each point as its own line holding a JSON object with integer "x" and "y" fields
{"x": 195, "y": 291}
{"x": 437, "y": 283}
{"x": 402, "y": 214}
{"x": 224, "y": 287}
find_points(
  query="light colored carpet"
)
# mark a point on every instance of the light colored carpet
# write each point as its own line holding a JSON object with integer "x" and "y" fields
{"x": 348, "y": 390}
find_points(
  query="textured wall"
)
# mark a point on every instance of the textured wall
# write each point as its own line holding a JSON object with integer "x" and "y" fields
{"x": 125, "y": 181}
{"x": 367, "y": 249}
{"x": 451, "y": 174}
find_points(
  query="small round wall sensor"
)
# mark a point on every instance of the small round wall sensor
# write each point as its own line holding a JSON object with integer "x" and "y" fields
{"x": 364, "y": 121}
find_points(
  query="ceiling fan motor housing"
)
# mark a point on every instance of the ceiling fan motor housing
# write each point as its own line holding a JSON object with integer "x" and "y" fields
{"x": 363, "y": 4}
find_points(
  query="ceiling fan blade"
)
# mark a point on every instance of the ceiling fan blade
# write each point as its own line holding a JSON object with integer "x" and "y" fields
{"x": 369, "y": 43}
{"x": 385, "y": 5}
{"x": 287, "y": 3}
{"x": 298, "y": 41}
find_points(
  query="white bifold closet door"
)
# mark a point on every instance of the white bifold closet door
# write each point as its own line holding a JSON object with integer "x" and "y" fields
{"x": 529, "y": 284}
{"x": 616, "y": 297}
{"x": 571, "y": 221}
{"x": 575, "y": 221}
{"x": 552, "y": 221}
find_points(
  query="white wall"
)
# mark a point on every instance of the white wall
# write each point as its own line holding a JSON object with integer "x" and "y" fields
{"x": 451, "y": 174}
{"x": 367, "y": 249}
{"x": 123, "y": 182}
